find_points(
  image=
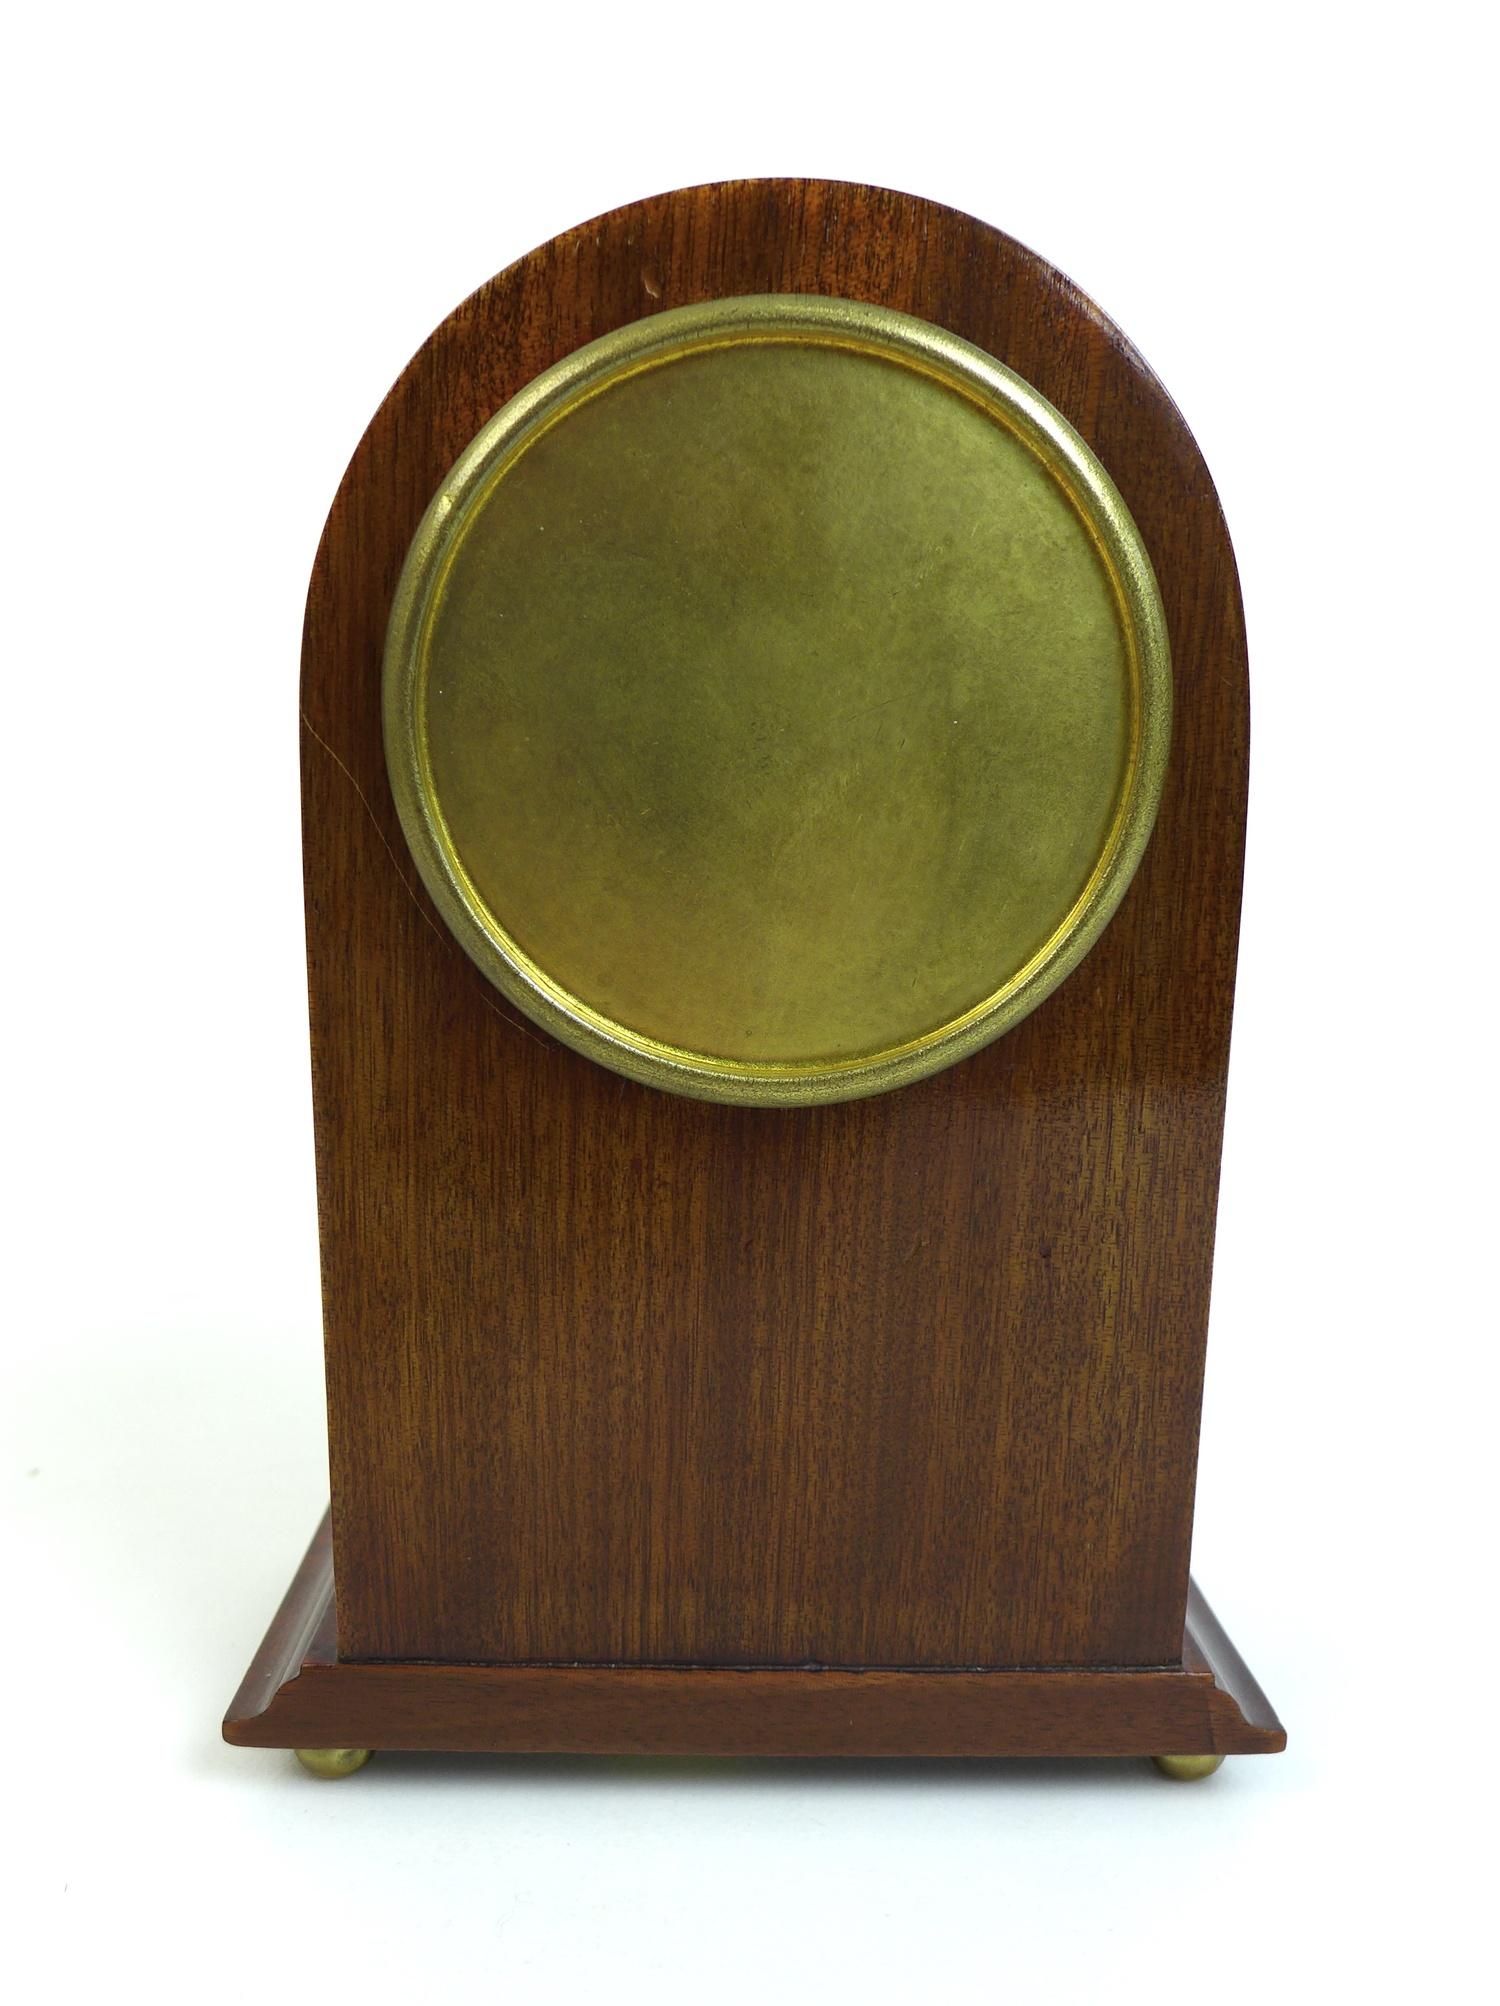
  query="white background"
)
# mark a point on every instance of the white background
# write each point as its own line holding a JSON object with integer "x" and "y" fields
{"x": 228, "y": 228}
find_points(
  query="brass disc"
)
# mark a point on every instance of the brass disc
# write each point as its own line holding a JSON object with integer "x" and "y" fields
{"x": 777, "y": 699}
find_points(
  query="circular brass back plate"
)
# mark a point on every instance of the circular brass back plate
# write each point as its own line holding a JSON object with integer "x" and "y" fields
{"x": 777, "y": 699}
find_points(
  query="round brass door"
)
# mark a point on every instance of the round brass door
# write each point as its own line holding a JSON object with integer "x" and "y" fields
{"x": 777, "y": 699}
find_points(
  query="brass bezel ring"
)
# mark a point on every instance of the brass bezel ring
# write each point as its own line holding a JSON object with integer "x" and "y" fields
{"x": 646, "y": 344}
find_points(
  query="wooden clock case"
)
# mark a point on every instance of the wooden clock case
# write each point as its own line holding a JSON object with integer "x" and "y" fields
{"x": 665, "y": 1426}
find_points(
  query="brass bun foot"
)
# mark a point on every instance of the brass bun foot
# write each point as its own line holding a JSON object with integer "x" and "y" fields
{"x": 1187, "y": 1768}
{"x": 333, "y": 1761}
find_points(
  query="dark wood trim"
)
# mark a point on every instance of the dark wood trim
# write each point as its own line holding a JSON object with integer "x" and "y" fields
{"x": 299, "y": 1694}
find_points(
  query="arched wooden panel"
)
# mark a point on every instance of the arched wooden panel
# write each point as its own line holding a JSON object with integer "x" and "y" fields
{"x": 619, "y": 1377}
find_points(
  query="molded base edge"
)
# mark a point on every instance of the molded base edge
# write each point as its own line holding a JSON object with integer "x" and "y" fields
{"x": 298, "y": 1693}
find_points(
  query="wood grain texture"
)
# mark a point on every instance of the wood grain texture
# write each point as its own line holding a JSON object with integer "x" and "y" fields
{"x": 620, "y": 1378}
{"x": 300, "y": 1694}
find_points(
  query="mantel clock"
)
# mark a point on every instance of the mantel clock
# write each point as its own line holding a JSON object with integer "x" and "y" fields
{"x": 774, "y": 731}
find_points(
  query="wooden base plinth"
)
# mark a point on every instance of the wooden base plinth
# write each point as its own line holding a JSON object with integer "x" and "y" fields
{"x": 298, "y": 1693}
